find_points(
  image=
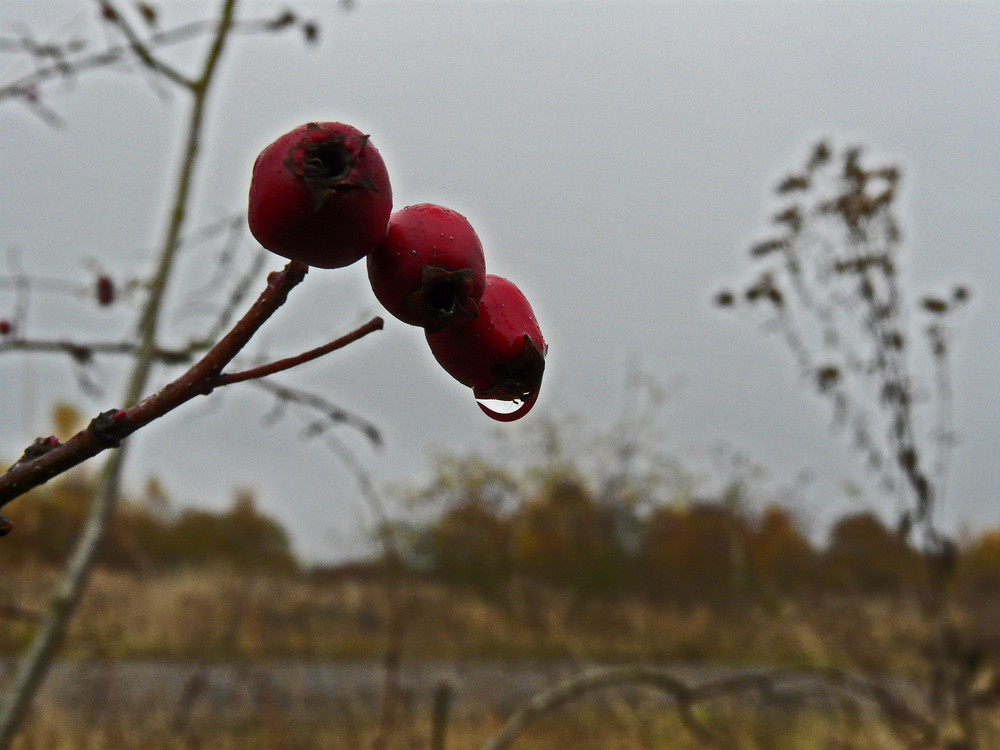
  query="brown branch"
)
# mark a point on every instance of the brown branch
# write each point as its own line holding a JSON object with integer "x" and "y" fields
{"x": 331, "y": 413}
{"x": 114, "y": 16}
{"x": 26, "y": 86}
{"x": 83, "y": 352}
{"x": 375, "y": 324}
{"x": 111, "y": 427}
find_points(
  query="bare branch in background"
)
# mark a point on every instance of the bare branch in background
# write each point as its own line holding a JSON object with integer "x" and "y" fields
{"x": 68, "y": 59}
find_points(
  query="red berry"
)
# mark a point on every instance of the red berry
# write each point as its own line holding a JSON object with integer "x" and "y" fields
{"x": 429, "y": 269}
{"x": 105, "y": 291}
{"x": 5, "y": 327}
{"x": 500, "y": 354}
{"x": 320, "y": 194}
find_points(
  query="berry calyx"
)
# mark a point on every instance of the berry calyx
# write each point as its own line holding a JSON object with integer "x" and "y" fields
{"x": 320, "y": 194}
{"x": 429, "y": 268}
{"x": 500, "y": 353}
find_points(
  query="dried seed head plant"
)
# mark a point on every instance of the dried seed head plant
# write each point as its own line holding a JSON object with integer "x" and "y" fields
{"x": 826, "y": 280}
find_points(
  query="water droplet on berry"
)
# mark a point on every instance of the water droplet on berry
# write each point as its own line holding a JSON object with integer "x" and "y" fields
{"x": 498, "y": 406}
{"x": 506, "y": 411}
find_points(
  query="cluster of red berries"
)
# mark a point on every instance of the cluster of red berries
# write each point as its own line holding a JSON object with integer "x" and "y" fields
{"x": 320, "y": 195}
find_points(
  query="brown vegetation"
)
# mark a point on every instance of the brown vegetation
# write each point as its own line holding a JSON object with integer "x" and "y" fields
{"x": 266, "y": 624}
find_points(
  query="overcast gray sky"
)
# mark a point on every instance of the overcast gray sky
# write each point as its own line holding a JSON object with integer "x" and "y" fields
{"x": 615, "y": 159}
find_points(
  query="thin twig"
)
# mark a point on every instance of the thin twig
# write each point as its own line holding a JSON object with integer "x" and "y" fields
{"x": 330, "y": 411}
{"x": 375, "y": 324}
{"x": 84, "y": 351}
{"x": 26, "y": 86}
{"x": 140, "y": 49}
{"x": 687, "y": 697}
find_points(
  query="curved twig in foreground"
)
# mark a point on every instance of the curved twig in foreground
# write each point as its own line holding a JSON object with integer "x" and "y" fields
{"x": 766, "y": 683}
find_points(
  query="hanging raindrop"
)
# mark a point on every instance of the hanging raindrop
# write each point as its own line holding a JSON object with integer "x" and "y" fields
{"x": 506, "y": 411}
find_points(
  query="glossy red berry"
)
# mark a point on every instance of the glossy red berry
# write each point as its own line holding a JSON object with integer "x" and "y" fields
{"x": 5, "y": 327}
{"x": 104, "y": 291}
{"x": 500, "y": 353}
{"x": 429, "y": 269}
{"x": 320, "y": 194}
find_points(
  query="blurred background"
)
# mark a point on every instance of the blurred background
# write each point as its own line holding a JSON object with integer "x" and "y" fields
{"x": 683, "y": 493}
{"x": 616, "y": 159}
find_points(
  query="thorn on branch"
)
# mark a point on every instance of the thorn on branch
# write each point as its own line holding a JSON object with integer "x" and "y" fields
{"x": 791, "y": 217}
{"x": 820, "y": 155}
{"x": 108, "y": 13}
{"x": 148, "y": 12}
{"x": 104, "y": 291}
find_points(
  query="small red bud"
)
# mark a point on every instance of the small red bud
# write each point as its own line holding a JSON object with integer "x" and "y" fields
{"x": 105, "y": 291}
{"x": 5, "y": 327}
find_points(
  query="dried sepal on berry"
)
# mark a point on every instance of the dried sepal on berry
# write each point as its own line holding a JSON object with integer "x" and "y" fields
{"x": 429, "y": 270}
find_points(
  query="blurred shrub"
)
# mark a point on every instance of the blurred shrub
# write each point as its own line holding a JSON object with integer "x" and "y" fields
{"x": 470, "y": 546}
{"x": 693, "y": 553}
{"x": 864, "y": 555}
{"x": 979, "y": 563}
{"x": 47, "y": 521}
{"x": 563, "y": 537}
{"x": 145, "y": 533}
{"x": 781, "y": 559}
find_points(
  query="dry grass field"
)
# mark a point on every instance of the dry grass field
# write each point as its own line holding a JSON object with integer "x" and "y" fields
{"x": 222, "y": 616}
{"x": 219, "y": 659}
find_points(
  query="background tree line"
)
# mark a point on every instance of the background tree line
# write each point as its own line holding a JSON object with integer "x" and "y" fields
{"x": 624, "y": 520}
{"x": 562, "y": 531}
{"x": 147, "y": 532}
